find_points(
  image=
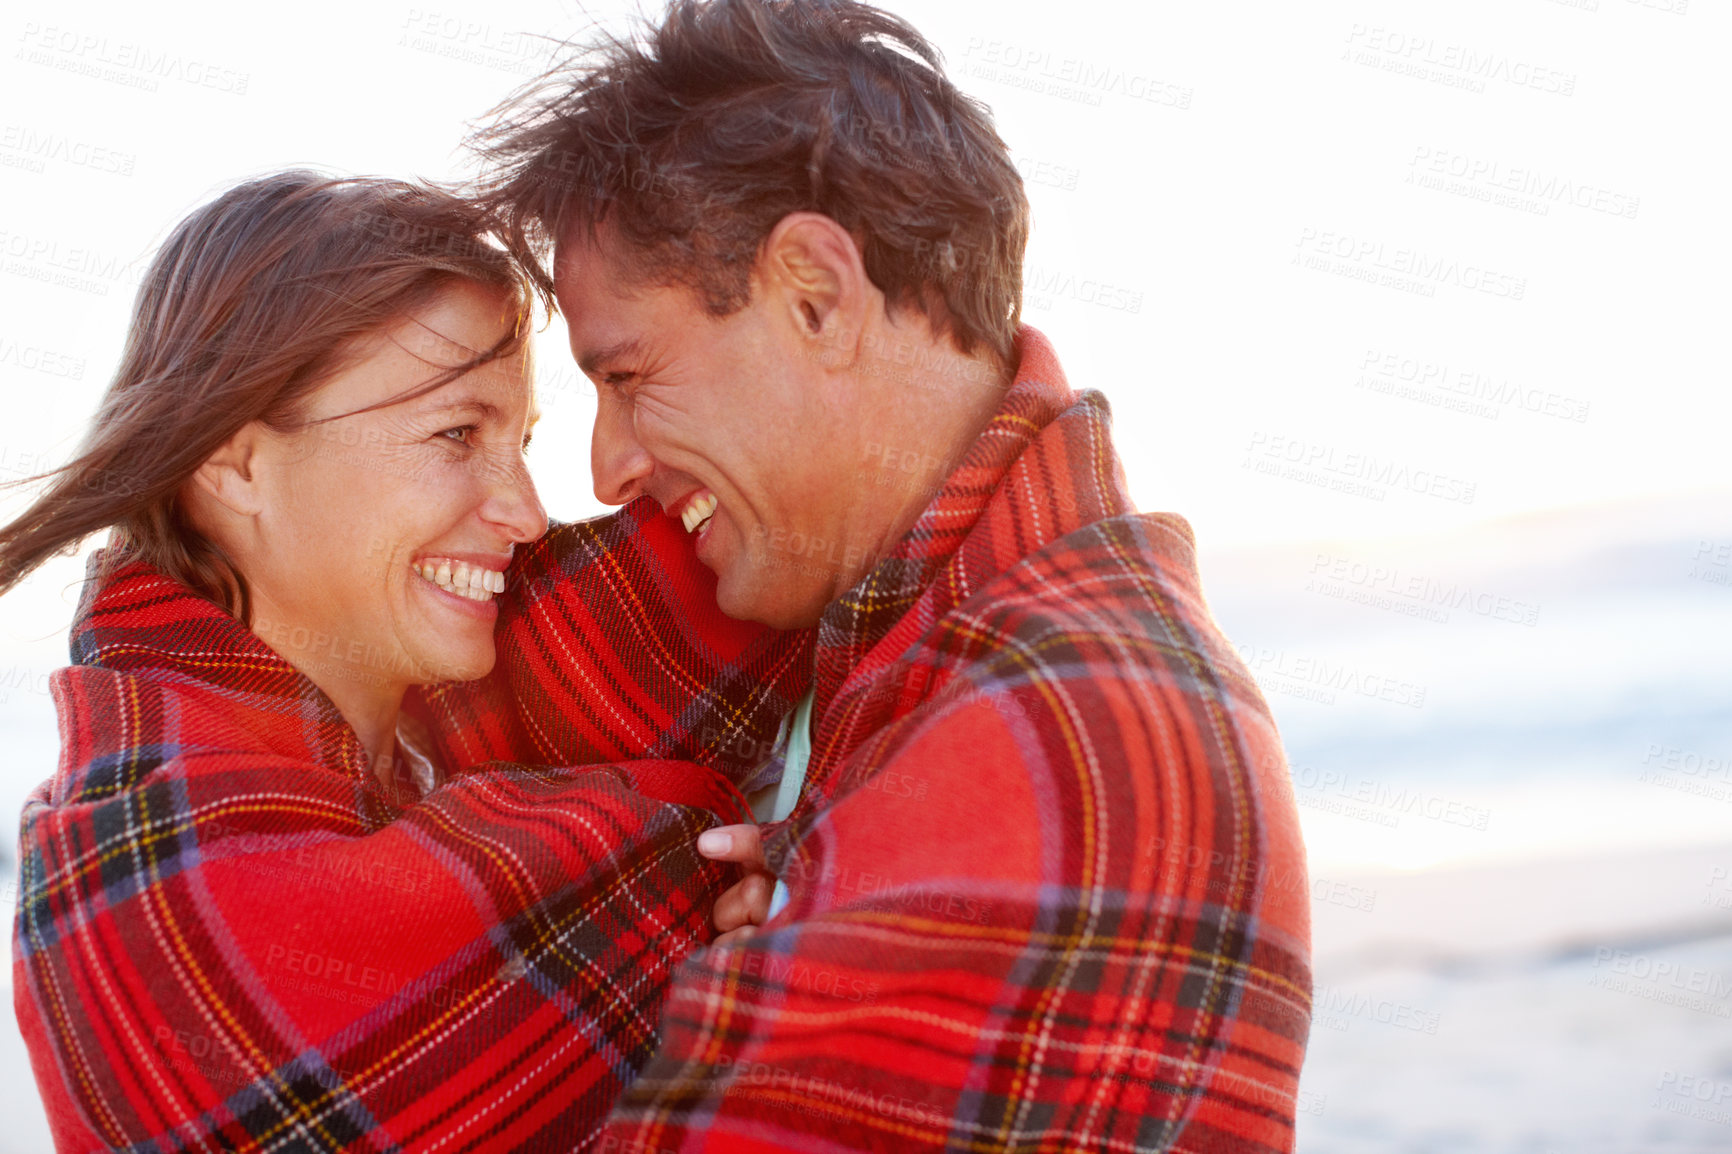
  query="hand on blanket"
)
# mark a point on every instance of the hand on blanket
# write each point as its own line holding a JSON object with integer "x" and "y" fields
{"x": 746, "y": 904}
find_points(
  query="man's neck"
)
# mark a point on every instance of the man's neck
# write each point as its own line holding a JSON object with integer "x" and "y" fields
{"x": 933, "y": 401}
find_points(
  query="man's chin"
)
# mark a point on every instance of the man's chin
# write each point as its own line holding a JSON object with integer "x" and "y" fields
{"x": 765, "y": 602}
{"x": 741, "y": 606}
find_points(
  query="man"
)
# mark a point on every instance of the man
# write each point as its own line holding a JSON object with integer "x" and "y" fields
{"x": 1030, "y": 818}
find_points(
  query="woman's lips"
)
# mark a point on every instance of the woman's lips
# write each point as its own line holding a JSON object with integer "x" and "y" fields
{"x": 486, "y": 609}
{"x": 464, "y": 585}
{"x": 461, "y": 578}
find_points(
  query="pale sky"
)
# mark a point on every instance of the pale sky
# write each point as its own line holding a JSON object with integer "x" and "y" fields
{"x": 1212, "y": 185}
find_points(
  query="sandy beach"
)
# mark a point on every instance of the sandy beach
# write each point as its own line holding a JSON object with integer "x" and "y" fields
{"x": 1572, "y": 1006}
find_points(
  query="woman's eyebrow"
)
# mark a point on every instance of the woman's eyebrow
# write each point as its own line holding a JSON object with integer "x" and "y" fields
{"x": 487, "y": 409}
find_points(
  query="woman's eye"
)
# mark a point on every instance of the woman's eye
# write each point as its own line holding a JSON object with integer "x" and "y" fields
{"x": 460, "y": 433}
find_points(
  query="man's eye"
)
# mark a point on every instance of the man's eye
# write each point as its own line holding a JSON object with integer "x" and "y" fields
{"x": 617, "y": 380}
{"x": 460, "y": 433}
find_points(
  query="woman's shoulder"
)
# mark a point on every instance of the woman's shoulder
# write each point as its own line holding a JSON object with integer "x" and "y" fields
{"x": 160, "y": 673}
{"x": 119, "y": 728}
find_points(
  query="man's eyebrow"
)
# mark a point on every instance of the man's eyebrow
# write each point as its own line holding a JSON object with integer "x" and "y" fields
{"x": 592, "y": 362}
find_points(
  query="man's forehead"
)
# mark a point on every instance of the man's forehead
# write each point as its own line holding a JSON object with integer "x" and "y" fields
{"x": 610, "y": 313}
{"x": 584, "y": 256}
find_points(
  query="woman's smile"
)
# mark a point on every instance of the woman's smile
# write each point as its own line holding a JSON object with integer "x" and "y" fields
{"x": 473, "y": 583}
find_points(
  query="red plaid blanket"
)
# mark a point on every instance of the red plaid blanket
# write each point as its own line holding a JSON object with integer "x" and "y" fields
{"x": 1048, "y": 889}
{"x": 231, "y": 936}
{"x": 611, "y": 647}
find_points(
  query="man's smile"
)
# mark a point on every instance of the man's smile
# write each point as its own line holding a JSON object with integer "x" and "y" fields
{"x": 699, "y": 508}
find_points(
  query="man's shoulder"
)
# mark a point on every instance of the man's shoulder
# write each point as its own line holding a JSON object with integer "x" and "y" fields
{"x": 1115, "y": 603}
{"x": 1123, "y": 576}
{"x": 570, "y": 546}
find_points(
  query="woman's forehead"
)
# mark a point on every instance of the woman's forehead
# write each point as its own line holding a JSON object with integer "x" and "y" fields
{"x": 459, "y": 323}
{"x": 401, "y": 361}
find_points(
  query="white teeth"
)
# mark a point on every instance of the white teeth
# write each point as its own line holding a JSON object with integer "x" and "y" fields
{"x": 463, "y": 579}
{"x": 698, "y": 512}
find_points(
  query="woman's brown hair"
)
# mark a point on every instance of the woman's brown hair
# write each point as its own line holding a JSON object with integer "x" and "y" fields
{"x": 250, "y": 305}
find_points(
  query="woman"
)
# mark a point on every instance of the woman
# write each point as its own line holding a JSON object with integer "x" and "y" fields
{"x": 260, "y": 906}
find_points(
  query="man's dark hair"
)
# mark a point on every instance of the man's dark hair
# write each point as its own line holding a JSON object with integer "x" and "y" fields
{"x": 692, "y": 142}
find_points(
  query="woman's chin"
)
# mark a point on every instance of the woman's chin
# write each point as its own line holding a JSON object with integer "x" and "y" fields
{"x": 452, "y": 635}
{"x": 444, "y": 661}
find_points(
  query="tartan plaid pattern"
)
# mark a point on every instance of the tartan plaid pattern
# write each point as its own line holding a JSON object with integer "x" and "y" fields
{"x": 611, "y": 647}
{"x": 1048, "y": 888}
{"x": 231, "y": 936}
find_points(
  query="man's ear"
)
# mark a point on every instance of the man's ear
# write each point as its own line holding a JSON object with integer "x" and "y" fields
{"x": 230, "y": 476}
{"x": 812, "y": 268}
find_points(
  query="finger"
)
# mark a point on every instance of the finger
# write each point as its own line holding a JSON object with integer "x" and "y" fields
{"x": 733, "y": 843}
{"x": 746, "y": 902}
{"x": 734, "y": 936}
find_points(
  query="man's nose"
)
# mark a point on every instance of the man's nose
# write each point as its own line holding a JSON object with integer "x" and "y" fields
{"x": 619, "y": 462}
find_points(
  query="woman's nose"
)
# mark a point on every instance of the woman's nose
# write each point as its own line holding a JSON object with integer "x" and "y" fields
{"x": 513, "y": 504}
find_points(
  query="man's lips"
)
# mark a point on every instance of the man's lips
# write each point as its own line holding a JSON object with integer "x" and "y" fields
{"x": 696, "y": 510}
